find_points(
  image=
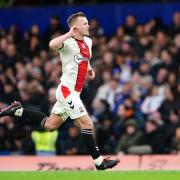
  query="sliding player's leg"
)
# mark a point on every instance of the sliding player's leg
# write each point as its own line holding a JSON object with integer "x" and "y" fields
{"x": 49, "y": 123}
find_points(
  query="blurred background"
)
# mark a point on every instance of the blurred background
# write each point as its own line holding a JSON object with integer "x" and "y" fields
{"x": 134, "y": 100}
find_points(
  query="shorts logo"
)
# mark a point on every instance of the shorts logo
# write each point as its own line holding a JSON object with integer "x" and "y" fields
{"x": 71, "y": 105}
{"x": 78, "y": 58}
{"x": 81, "y": 109}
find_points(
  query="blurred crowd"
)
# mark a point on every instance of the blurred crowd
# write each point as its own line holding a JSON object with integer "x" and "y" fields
{"x": 134, "y": 100}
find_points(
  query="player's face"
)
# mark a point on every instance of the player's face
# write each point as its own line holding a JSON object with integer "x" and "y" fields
{"x": 83, "y": 26}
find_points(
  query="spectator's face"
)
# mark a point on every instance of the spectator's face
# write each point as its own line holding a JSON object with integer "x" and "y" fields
{"x": 177, "y": 40}
{"x": 168, "y": 94}
{"x": 73, "y": 132}
{"x": 148, "y": 56}
{"x": 130, "y": 129}
{"x": 154, "y": 91}
{"x": 125, "y": 47}
{"x": 108, "y": 58}
{"x": 44, "y": 55}
{"x": 37, "y": 61}
{"x": 128, "y": 103}
{"x": 172, "y": 78}
{"x": 144, "y": 68}
{"x": 119, "y": 59}
{"x": 127, "y": 88}
{"x": 120, "y": 32}
{"x": 162, "y": 75}
{"x": 11, "y": 50}
{"x": 106, "y": 76}
{"x": 150, "y": 127}
{"x": 165, "y": 56}
{"x": 8, "y": 88}
{"x": 146, "y": 83}
{"x": 48, "y": 68}
{"x": 130, "y": 20}
{"x": 34, "y": 42}
{"x": 107, "y": 123}
{"x": 144, "y": 41}
{"x": 121, "y": 111}
{"x": 22, "y": 84}
{"x": 173, "y": 118}
{"x": 176, "y": 19}
{"x": 3, "y": 44}
{"x": 161, "y": 38}
{"x": 94, "y": 23}
{"x": 113, "y": 84}
{"x": 98, "y": 106}
{"x": 178, "y": 133}
{"x": 35, "y": 30}
{"x": 54, "y": 22}
{"x": 24, "y": 96}
{"x": 140, "y": 30}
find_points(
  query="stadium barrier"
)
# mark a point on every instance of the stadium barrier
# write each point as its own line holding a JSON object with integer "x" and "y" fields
{"x": 39, "y": 163}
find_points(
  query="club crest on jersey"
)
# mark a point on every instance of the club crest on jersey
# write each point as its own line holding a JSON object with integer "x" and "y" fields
{"x": 78, "y": 58}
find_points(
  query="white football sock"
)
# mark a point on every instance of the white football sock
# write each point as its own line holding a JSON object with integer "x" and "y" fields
{"x": 19, "y": 112}
{"x": 99, "y": 160}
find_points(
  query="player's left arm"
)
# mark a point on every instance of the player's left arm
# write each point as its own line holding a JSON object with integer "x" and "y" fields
{"x": 90, "y": 72}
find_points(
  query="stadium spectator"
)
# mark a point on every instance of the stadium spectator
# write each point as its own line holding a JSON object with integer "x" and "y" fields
{"x": 44, "y": 142}
{"x": 73, "y": 144}
{"x": 131, "y": 137}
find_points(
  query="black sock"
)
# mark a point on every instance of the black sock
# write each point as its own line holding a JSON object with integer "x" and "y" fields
{"x": 90, "y": 143}
{"x": 35, "y": 117}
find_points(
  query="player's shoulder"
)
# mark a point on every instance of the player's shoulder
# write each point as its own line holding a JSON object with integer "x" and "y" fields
{"x": 69, "y": 40}
{"x": 88, "y": 40}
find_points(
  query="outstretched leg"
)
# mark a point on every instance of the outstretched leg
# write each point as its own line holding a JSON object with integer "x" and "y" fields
{"x": 49, "y": 123}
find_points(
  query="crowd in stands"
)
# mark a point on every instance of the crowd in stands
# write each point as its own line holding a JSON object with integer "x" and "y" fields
{"x": 134, "y": 100}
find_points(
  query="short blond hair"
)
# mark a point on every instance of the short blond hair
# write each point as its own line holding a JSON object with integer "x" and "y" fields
{"x": 73, "y": 17}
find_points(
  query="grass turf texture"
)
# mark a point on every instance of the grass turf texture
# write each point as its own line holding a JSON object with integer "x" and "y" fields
{"x": 92, "y": 175}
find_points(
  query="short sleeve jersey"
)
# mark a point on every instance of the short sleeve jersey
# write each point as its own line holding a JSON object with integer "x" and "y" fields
{"x": 75, "y": 55}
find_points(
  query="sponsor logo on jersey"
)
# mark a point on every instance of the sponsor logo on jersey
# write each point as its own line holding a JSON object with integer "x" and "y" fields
{"x": 78, "y": 58}
{"x": 83, "y": 46}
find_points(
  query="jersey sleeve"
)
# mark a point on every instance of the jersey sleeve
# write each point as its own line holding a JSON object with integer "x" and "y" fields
{"x": 64, "y": 46}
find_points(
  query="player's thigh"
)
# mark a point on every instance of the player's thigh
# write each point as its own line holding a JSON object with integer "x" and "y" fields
{"x": 85, "y": 122}
{"x": 53, "y": 122}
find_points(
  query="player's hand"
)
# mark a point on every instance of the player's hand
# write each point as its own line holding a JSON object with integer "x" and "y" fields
{"x": 91, "y": 74}
{"x": 73, "y": 31}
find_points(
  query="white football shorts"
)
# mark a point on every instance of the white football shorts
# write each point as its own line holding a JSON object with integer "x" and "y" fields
{"x": 68, "y": 103}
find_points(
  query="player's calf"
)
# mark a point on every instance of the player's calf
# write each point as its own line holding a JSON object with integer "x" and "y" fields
{"x": 16, "y": 110}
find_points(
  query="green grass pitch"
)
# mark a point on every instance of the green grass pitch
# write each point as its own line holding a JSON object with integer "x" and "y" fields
{"x": 92, "y": 175}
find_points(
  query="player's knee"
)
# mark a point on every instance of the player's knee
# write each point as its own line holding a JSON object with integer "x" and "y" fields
{"x": 49, "y": 126}
{"x": 87, "y": 125}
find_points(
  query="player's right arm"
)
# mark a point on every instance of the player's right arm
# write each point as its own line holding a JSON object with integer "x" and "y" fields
{"x": 57, "y": 43}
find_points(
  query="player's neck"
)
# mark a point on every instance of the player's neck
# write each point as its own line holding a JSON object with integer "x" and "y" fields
{"x": 79, "y": 37}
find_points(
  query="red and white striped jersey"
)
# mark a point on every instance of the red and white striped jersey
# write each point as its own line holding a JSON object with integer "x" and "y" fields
{"x": 75, "y": 55}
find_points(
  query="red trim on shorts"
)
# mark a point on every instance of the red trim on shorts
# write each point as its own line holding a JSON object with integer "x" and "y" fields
{"x": 82, "y": 67}
{"x": 65, "y": 91}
